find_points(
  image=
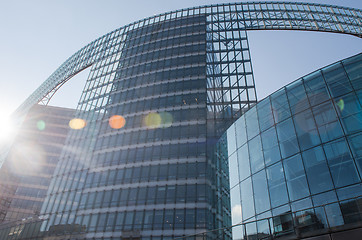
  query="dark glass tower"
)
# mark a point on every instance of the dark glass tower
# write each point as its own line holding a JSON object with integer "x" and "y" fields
{"x": 153, "y": 176}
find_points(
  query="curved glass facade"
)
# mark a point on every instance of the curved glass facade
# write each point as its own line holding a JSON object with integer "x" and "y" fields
{"x": 298, "y": 153}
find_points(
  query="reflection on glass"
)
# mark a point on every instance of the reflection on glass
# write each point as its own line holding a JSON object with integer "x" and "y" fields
{"x": 341, "y": 163}
{"x": 277, "y": 186}
{"x": 261, "y": 195}
{"x": 247, "y": 199}
{"x": 296, "y": 180}
{"x": 317, "y": 170}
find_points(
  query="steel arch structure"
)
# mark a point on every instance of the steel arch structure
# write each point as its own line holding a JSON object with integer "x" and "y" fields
{"x": 227, "y": 26}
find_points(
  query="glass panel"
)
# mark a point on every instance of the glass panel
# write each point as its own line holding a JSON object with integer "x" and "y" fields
{"x": 318, "y": 174}
{"x": 270, "y": 146}
{"x": 235, "y": 205}
{"x": 296, "y": 180}
{"x": 316, "y": 88}
{"x": 354, "y": 70}
{"x": 280, "y": 105}
{"x": 247, "y": 199}
{"x": 231, "y": 141}
{"x": 277, "y": 186}
{"x": 256, "y": 154}
{"x": 261, "y": 195}
{"x": 252, "y": 125}
{"x": 287, "y": 138}
{"x": 337, "y": 80}
{"x": 306, "y": 130}
{"x": 265, "y": 114}
{"x": 233, "y": 170}
{"x": 240, "y": 131}
{"x": 341, "y": 164}
{"x": 243, "y": 160}
{"x": 297, "y": 97}
{"x": 356, "y": 146}
{"x": 350, "y": 110}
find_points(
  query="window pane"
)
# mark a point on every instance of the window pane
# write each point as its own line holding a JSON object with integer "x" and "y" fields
{"x": 265, "y": 114}
{"x": 297, "y": 97}
{"x": 277, "y": 186}
{"x": 280, "y": 105}
{"x": 247, "y": 199}
{"x": 296, "y": 180}
{"x": 337, "y": 80}
{"x": 306, "y": 130}
{"x": 243, "y": 160}
{"x": 341, "y": 164}
{"x": 287, "y": 138}
{"x": 260, "y": 192}
{"x": 270, "y": 146}
{"x": 252, "y": 123}
{"x": 256, "y": 154}
{"x": 316, "y": 88}
{"x": 318, "y": 174}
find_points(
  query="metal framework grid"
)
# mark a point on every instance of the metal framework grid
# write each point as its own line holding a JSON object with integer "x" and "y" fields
{"x": 232, "y": 86}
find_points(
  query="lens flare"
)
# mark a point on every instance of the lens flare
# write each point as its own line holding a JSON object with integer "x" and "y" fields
{"x": 166, "y": 119}
{"x": 77, "y": 123}
{"x": 117, "y": 122}
{"x": 153, "y": 120}
{"x": 340, "y": 104}
{"x": 40, "y": 125}
{"x": 7, "y": 129}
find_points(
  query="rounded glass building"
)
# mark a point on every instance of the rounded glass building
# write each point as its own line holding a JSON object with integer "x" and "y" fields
{"x": 295, "y": 160}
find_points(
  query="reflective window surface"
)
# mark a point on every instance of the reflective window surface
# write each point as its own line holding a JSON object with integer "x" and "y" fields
{"x": 305, "y": 158}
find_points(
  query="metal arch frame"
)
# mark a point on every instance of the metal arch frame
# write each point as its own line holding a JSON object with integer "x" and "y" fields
{"x": 249, "y": 16}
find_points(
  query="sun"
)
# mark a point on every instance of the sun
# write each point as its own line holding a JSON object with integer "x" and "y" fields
{"x": 7, "y": 128}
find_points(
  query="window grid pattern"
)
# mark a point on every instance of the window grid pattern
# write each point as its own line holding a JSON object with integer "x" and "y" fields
{"x": 299, "y": 149}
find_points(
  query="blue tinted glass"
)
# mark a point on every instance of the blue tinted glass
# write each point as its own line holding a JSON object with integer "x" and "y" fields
{"x": 324, "y": 198}
{"x": 318, "y": 175}
{"x": 354, "y": 71}
{"x": 233, "y": 170}
{"x": 277, "y": 186}
{"x": 349, "y": 192}
{"x": 351, "y": 112}
{"x": 337, "y": 80}
{"x": 240, "y": 131}
{"x": 356, "y": 146}
{"x": 340, "y": 163}
{"x": 235, "y": 205}
{"x": 280, "y": 106}
{"x": 306, "y": 129}
{"x": 296, "y": 180}
{"x": 252, "y": 125}
{"x": 287, "y": 138}
{"x": 353, "y": 68}
{"x": 297, "y": 97}
{"x": 256, "y": 154}
{"x": 265, "y": 114}
{"x": 260, "y": 192}
{"x": 270, "y": 146}
{"x": 316, "y": 88}
{"x": 247, "y": 199}
{"x": 324, "y": 113}
{"x": 243, "y": 161}
{"x": 348, "y": 105}
{"x": 231, "y": 141}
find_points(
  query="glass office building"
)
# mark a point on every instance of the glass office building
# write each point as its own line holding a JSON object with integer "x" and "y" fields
{"x": 160, "y": 92}
{"x": 295, "y": 157}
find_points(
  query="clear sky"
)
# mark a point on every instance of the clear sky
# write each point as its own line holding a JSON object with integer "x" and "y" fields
{"x": 38, "y": 36}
